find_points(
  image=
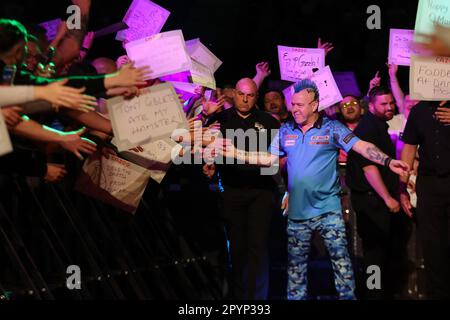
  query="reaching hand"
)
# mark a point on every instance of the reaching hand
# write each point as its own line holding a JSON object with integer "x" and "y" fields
{"x": 129, "y": 76}
{"x": 122, "y": 60}
{"x": 327, "y": 46}
{"x": 210, "y": 107}
{"x": 76, "y": 144}
{"x": 12, "y": 116}
{"x": 433, "y": 46}
{"x": 126, "y": 92}
{"x": 263, "y": 69}
{"x": 399, "y": 167}
{"x": 60, "y": 95}
{"x": 55, "y": 172}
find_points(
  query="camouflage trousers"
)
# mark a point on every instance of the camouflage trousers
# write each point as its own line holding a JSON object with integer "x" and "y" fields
{"x": 332, "y": 229}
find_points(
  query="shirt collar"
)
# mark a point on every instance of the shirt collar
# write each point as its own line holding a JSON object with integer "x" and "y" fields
{"x": 318, "y": 124}
{"x": 253, "y": 112}
{"x": 377, "y": 120}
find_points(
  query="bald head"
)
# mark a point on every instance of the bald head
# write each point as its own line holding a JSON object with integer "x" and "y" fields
{"x": 104, "y": 65}
{"x": 247, "y": 84}
{"x": 245, "y": 96}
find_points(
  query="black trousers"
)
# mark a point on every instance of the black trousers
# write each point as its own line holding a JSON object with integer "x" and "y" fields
{"x": 384, "y": 237}
{"x": 433, "y": 212}
{"x": 247, "y": 213}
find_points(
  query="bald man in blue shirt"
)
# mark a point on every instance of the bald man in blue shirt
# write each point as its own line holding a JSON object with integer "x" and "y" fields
{"x": 309, "y": 146}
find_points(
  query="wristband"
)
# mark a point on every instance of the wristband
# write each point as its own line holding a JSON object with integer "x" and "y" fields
{"x": 387, "y": 161}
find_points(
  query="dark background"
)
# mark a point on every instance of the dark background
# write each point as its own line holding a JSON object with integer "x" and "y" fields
{"x": 244, "y": 32}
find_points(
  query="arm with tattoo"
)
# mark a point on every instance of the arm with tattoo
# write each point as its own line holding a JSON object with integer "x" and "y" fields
{"x": 370, "y": 152}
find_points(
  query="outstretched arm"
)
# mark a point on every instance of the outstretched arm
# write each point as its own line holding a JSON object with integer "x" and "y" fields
{"x": 372, "y": 153}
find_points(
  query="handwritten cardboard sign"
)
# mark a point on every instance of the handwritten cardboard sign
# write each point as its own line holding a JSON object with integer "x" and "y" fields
{"x": 156, "y": 157}
{"x": 299, "y": 63}
{"x": 199, "y": 52}
{"x": 430, "y": 12}
{"x": 144, "y": 18}
{"x": 5, "y": 141}
{"x": 165, "y": 53}
{"x": 400, "y": 49}
{"x": 152, "y": 116}
{"x": 51, "y": 27}
{"x": 113, "y": 180}
{"x": 429, "y": 78}
{"x": 329, "y": 93}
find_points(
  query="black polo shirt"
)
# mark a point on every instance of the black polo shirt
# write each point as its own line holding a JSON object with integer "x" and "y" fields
{"x": 375, "y": 130}
{"x": 432, "y": 137}
{"x": 246, "y": 175}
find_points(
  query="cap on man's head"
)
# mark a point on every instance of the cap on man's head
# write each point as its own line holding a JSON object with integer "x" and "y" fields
{"x": 308, "y": 85}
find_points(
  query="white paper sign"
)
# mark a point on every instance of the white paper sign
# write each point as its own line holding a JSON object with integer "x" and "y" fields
{"x": 156, "y": 157}
{"x": 113, "y": 180}
{"x": 51, "y": 27}
{"x": 430, "y": 12}
{"x": 329, "y": 93}
{"x": 400, "y": 49}
{"x": 5, "y": 141}
{"x": 429, "y": 78}
{"x": 152, "y": 116}
{"x": 202, "y": 75}
{"x": 202, "y": 54}
{"x": 299, "y": 63}
{"x": 165, "y": 53}
{"x": 144, "y": 18}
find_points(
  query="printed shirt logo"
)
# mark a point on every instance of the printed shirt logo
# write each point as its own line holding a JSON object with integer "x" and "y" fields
{"x": 320, "y": 140}
{"x": 290, "y": 140}
{"x": 349, "y": 137}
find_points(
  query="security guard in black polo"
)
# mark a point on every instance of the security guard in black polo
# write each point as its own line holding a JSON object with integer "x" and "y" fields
{"x": 428, "y": 129}
{"x": 249, "y": 197}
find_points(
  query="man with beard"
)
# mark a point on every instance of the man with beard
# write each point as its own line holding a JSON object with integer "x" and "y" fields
{"x": 275, "y": 104}
{"x": 350, "y": 115}
{"x": 374, "y": 195}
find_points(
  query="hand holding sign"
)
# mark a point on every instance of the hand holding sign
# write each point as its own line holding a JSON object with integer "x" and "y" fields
{"x": 392, "y": 70}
